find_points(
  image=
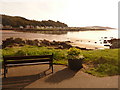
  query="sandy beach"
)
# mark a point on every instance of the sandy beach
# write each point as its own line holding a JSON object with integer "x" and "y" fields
{"x": 88, "y": 46}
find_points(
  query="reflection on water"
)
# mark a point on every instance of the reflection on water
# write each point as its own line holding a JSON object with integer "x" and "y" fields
{"x": 93, "y": 37}
{"x": 52, "y": 32}
{"x": 49, "y": 35}
{"x": 83, "y": 37}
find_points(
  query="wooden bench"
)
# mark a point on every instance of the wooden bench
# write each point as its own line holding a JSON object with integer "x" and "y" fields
{"x": 27, "y": 60}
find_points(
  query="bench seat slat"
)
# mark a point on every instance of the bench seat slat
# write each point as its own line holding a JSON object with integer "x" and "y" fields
{"x": 26, "y": 64}
{"x": 26, "y": 57}
{"x": 26, "y": 61}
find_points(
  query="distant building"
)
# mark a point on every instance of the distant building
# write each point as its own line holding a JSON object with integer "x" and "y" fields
{"x": 32, "y": 27}
{"x": 21, "y": 27}
{"x": 42, "y": 27}
{"x": 7, "y": 26}
{"x": 27, "y": 26}
{"x": 50, "y": 27}
{"x": 1, "y": 26}
{"x": 38, "y": 27}
{"x": 46, "y": 27}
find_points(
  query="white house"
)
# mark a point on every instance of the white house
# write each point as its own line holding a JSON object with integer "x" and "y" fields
{"x": 1, "y": 26}
{"x": 21, "y": 27}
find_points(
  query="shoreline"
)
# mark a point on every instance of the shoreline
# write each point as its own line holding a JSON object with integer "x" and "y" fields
{"x": 47, "y": 37}
{"x": 88, "y": 46}
{"x": 57, "y": 44}
{"x": 55, "y": 29}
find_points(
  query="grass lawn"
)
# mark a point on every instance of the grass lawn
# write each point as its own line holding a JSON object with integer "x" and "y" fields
{"x": 98, "y": 62}
{"x": 102, "y": 62}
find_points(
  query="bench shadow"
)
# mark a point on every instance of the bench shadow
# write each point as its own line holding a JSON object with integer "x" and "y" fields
{"x": 61, "y": 76}
{"x": 20, "y": 81}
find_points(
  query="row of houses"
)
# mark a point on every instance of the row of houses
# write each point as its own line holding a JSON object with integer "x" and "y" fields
{"x": 41, "y": 27}
{"x": 37, "y": 27}
{"x": 32, "y": 27}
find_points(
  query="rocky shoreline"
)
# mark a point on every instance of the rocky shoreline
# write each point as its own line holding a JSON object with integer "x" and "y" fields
{"x": 12, "y": 42}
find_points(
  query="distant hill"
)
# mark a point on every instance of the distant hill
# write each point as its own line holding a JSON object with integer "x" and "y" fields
{"x": 98, "y": 27}
{"x": 17, "y": 21}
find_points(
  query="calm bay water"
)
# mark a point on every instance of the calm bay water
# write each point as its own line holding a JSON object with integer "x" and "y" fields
{"x": 93, "y": 37}
{"x": 85, "y": 37}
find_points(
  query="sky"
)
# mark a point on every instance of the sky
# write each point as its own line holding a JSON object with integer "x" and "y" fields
{"x": 75, "y": 13}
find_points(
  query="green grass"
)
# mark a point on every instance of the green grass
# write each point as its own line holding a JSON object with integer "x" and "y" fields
{"x": 59, "y": 55}
{"x": 99, "y": 62}
{"x": 102, "y": 62}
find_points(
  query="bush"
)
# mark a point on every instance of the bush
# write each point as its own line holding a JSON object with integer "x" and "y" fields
{"x": 74, "y": 53}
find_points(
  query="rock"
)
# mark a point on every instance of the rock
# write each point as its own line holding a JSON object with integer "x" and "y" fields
{"x": 9, "y": 39}
{"x": 46, "y": 42}
{"x": 36, "y": 42}
{"x": 80, "y": 48}
{"x": 19, "y": 41}
{"x": 54, "y": 43}
{"x": 115, "y": 43}
{"x": 68, "y": 41}
{"x": 105, "y": 41}
{"x": 65, "y": 45}
{"x": 29, "y": 42}
{"x": 60, "y": 47}
{"x": 7, "y": 42}
{"x": 10, "y": 42}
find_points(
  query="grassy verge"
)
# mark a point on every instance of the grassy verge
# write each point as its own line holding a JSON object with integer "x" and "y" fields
{"x": 97, "y": 62}
{"x": 102, "y": 62}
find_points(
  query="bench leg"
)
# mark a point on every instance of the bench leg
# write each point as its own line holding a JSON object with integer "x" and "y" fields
{"x": 5, "y": 70}
{"x": 45, "y": 73}
{"x": 52, "y": 68}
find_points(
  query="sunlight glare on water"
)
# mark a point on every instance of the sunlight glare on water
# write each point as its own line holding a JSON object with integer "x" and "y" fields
{"x": 93, "y": 35}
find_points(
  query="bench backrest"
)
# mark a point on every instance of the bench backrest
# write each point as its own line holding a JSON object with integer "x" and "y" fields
{"x": 27, "y": 59}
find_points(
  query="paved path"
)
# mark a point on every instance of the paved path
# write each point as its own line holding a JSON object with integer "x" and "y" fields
{"x": 33, "y": 77}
